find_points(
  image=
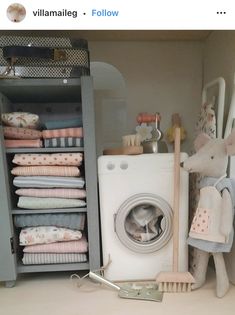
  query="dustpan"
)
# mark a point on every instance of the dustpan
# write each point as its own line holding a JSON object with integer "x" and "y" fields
{"x": 148, "y": 292}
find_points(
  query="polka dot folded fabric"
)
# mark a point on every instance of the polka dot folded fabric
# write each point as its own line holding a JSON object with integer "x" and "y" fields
{"x": 72, "y": 159}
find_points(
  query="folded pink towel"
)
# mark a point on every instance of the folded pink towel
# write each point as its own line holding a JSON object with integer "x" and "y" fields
{"x": 79, "y": 246}
{"x": 23, "y": 143}
{"x": 21, "y": 133}
{"x": 71, "y": 193}
{"x": 46, "y": 171}
{"x": 67, "y": 132}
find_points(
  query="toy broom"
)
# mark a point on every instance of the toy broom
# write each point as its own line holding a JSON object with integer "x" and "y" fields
{"x": 170, "y": 133}
{"x": 175, "y": 281}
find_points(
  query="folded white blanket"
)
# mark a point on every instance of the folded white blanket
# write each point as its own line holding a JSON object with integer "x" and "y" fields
{"x": 47, "y": 235}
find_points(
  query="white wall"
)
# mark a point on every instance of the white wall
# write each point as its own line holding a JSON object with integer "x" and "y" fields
{"x": 160, "y": 76}
{"x": 219, "y": 60}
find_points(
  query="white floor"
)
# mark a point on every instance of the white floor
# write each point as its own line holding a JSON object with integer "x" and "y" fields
{"x": 49, "y": 294}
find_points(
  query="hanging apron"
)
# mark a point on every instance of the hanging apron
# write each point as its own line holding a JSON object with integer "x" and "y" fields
{"x": 205, "y": 231}
{"x": 206, "y": 221}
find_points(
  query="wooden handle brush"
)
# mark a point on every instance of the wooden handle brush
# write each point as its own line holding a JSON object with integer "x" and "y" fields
{"x": 131, "y": 145}
{"x": 175, "y": 281}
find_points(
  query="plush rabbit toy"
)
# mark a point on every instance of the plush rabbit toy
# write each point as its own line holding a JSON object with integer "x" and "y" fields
{"x": 211, "y": 230}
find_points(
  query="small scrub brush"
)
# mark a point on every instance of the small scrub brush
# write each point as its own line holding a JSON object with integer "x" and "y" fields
{"x": 131, "y": 145}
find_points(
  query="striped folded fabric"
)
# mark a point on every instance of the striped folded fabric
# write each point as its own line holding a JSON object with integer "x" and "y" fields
{"x": 46, "y": 171}
{"x": 53, "y": 192}
{"x": 63, "y": 142}
{"x": 48, "y": 182}
{"x": 79, "y": 246}
{"x": 50, "y": 258}
{"x": 23, "y": 143}
{"x": 66, "y": 132}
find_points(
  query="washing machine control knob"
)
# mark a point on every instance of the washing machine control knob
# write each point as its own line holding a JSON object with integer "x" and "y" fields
{"x": 124, "y": 165}
{"x": 110, "y": 166}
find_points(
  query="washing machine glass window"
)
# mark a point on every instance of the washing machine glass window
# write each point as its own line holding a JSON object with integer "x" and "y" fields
{"x": 143, "y": 223}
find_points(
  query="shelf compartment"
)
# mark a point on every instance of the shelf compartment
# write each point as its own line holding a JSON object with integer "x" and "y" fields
{"x": 44, "y": 150}
{"x": 42, "y": 90}
{"x": 41, "y": 211}
{"x": 52, "y": 267}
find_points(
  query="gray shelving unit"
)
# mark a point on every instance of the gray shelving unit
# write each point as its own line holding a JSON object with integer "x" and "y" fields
{"x": 47, "y": 97}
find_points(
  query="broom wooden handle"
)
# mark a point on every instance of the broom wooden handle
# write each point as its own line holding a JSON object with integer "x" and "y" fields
{"x": 176, "y": 200}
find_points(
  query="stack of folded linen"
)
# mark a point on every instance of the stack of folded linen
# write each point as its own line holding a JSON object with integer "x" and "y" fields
{"x": 20, "y": 130}
{"x": 69, "y": 246}
{"x": 67, "y": 137}
{"x": 63, "y": 133}
{"x": 49, "y": 181}
{"x": 52, "y": 245}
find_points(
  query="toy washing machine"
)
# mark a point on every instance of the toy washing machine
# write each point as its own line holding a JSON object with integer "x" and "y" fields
{"x": 136, "y": 197}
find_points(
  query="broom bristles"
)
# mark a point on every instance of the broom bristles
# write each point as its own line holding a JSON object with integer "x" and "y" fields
{"x": 174, "y": 281}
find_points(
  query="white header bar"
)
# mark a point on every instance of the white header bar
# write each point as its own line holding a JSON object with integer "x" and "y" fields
{"x": 117, "y": 15}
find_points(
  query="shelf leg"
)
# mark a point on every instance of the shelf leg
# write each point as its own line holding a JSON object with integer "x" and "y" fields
{"x": 10, "y": 284}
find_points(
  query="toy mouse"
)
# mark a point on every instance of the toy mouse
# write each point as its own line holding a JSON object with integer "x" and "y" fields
{"x": 211, "y": 230}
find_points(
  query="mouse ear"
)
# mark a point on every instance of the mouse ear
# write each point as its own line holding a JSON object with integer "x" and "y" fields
{"x": 230, "y": 143}
{"x": 201, "y": 140}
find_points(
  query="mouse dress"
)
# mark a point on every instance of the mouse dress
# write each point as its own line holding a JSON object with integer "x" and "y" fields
{"x": 205, "y": 231}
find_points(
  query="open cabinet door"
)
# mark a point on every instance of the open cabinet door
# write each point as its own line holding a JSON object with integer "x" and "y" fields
{"x": 230, "y": 257}
{"x": 7, "y": 252}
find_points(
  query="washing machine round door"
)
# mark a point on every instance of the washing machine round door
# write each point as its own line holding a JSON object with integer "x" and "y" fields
{"x": 143, "y": 223}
